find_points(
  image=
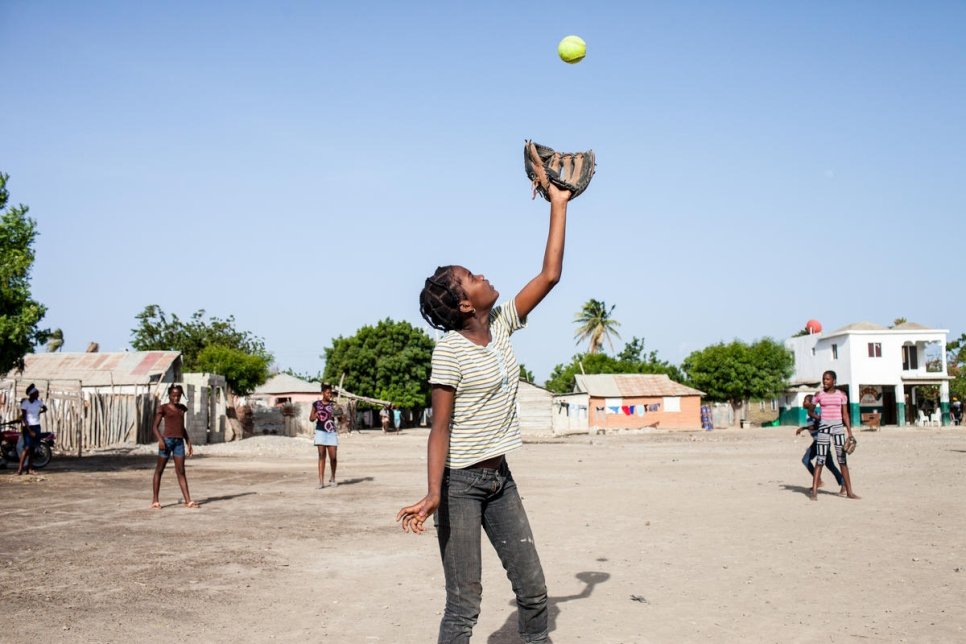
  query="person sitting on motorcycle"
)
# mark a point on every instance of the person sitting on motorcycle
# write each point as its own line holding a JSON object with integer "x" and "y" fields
{"x": 30, "y": 410}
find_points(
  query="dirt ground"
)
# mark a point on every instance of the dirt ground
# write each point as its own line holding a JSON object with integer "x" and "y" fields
{"x": 644, "y": 538}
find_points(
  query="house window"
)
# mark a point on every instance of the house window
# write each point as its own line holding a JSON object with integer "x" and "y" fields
{"x": 761, "y": 405}
{"x": 774, "y": 404}
{"x": 910, "y": 358}
{"x": 672, "y": 403}
{"x": 875, "y": 349}
{"x": 835, "y": 352}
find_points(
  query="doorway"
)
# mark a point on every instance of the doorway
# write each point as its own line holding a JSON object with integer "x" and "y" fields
{"x": 889, "y": 406}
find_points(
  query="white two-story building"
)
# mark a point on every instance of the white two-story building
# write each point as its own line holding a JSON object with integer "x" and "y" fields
{"x": 894, "y": 371}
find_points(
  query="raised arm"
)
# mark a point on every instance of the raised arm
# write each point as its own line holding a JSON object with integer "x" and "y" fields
{"x": 537, "y": 288}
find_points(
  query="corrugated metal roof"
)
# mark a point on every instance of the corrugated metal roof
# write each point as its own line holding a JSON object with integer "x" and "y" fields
{"x": 611, "y": 385}
{"x": 101, "y": 369}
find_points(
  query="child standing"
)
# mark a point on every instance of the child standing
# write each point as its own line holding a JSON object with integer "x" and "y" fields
{"x": 172, "y": 442}
{"x": 815, "y": 421}
{"x": 326, "y": 433}
{"x": 474, "y": 389}
{"x": 832, "y": 429}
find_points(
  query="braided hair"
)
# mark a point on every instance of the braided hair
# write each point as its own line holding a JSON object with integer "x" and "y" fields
{"x": 439, "y": 301}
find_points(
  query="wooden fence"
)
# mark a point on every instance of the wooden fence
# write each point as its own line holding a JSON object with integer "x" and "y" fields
{"x": 84, "y": 420}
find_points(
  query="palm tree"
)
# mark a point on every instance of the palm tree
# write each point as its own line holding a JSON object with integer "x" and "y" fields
{"x": 55, "y": 341}
{"x": 596, "y": 324}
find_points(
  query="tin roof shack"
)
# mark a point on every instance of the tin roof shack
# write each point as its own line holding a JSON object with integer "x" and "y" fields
{"x": 534, "y": 409}
{"x": 95, "y": 399}
{"x": 635, "y": 401}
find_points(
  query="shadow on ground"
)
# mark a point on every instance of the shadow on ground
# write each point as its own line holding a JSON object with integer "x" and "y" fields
{"x": 343, "y": 482}
{"x": 96, "y": 463}
{"x": 509, "y": 632}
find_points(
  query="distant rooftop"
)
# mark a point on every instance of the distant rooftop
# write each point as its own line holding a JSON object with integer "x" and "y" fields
{"x": 872, "y": 326}
{"x": 283, "y": 383}
{"x": 611, "y": 385}
{"x": 100, "y": 369}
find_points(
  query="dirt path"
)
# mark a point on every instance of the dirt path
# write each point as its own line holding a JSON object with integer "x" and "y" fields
{"x": 644, "y": 538}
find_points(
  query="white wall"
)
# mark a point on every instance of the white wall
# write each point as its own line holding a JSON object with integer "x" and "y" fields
{"x": 566, "y": 418}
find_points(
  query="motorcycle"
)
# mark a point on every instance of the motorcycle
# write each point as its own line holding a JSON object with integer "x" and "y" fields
{"x": 11, "y": 446}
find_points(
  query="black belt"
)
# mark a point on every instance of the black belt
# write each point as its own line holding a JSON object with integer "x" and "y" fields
{"x": 489, "y": 464}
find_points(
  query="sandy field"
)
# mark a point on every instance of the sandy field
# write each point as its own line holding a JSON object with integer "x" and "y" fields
{"x": 644, "y": 537}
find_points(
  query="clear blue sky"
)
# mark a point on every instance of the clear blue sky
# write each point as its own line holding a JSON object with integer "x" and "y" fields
{"x": 303, "y": 166}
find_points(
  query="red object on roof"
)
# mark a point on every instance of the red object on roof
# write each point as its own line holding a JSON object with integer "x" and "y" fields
{"x": 813, "y": 326}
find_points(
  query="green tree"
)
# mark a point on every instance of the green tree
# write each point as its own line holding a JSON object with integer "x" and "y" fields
{"x": 55, "y": 341}
{"x": 632, "y": 359}
{"x": 956, "y": 366}
{"x": 596, "y": 325}
{"x": 242, "y": 371}
{"x": 526, "y": 374}
{"x": 390, "y": 361}
{"x": 737, "y": 372}
{"x": 156, "y": 332}
{"x": 20, "y": 314}
{"x": 303, "y": 376}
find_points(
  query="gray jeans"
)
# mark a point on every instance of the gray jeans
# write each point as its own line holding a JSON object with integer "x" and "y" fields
{"x": 486, "y": 497}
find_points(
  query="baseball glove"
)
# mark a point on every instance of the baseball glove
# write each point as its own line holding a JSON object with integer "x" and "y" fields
{"x": 567, "y": 170}
{"x": 850, "y": 445}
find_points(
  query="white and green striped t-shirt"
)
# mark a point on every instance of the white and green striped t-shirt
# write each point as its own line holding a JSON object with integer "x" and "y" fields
{"x": 484, "y": 422}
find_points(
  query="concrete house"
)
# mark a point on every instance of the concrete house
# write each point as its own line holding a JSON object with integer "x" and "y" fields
{"x": 884, "y": 370}
{"x": 282, "y": 388}
{"x": 627, "y": 401}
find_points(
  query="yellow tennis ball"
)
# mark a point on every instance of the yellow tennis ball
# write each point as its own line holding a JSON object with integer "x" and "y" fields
{"x": 572, "y": 49}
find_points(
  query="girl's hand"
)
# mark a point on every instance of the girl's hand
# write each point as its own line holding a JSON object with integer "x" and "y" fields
{"x": 191, "y": 449}
{"x": 558, "y": 195}
{"x": 412, "y": 517}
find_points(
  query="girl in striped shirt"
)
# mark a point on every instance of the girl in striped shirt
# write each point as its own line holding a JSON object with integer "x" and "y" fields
{"x": 835, "y": 423}
{"x": 474, "y": 388}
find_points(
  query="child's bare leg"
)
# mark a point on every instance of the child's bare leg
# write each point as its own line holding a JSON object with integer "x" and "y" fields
{"x": 848, "y": 482}
{"x": 183, "y": 482}
{"x": 321, "y": 449}
{"x": 156, "y": 488}
{"x": 816, "y": 477}
{"x": 24, "y": 455}
{"x": 332, "y": 449}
